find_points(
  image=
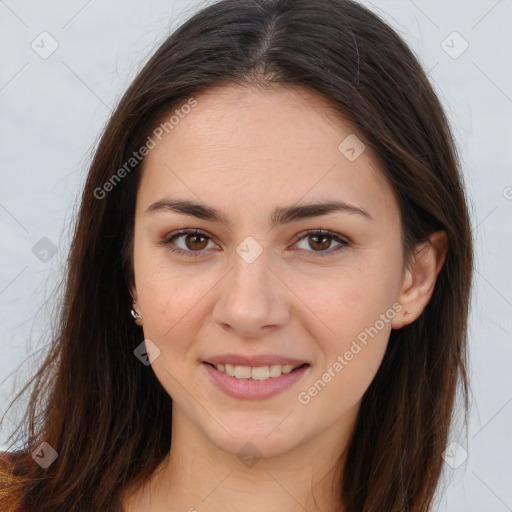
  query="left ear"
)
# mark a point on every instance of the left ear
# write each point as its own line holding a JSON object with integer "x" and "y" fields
{"x": 419, "y": 281}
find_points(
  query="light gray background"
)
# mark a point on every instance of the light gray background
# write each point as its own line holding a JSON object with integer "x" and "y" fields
{"x": 53, "y": 110}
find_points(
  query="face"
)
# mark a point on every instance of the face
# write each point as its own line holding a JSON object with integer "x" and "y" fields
{"x": 260, "y": 288}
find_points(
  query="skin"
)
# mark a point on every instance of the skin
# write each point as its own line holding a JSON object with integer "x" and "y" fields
{"x": 246, "y": 151}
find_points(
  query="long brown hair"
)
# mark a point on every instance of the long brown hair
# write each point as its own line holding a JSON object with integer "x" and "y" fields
{"x": 105, "y": 413}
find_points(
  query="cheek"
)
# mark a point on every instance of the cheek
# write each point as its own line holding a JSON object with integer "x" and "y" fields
{"x": 175, "y": 302}
{"x": 358, "y": 316}
{"x": 350, "y": 300}
{"x": 172, "y": 304}
{"x": 163, "y": 288}
{"x": 352, "y": 322}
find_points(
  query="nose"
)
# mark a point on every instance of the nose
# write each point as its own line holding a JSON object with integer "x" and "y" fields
{"x": 252, "y": 299}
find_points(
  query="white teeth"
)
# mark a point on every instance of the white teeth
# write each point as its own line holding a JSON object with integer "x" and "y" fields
{"x": 243, "y": 372}
{"x": 260, "y": 372}
{"x": 255, "y": 372}
{"x": 275, "y": 370}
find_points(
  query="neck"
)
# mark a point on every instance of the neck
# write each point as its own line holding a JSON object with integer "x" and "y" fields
{"x": 198, "y": 475}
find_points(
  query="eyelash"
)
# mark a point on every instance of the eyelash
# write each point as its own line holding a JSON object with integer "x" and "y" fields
{"x": 305, "y": 234}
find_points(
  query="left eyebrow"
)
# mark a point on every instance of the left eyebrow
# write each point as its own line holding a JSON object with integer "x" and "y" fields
{"x": 281, "y": 215}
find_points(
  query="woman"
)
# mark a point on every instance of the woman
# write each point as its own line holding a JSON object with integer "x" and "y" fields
{"x": 268, "y": 287}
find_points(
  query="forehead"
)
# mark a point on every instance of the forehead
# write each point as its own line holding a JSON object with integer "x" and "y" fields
{"x": 250, "y": 146}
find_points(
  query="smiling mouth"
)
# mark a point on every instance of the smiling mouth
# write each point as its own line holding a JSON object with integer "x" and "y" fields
{"x": 256, "y": 372}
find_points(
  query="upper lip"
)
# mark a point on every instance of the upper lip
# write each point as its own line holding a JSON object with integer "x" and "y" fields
{"x": 257, "y": 360}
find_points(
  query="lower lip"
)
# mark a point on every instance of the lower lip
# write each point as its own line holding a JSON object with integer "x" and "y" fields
{"x": 250, "y": 389}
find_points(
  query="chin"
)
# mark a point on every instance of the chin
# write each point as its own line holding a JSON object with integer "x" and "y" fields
{"x": 267, "y": 438}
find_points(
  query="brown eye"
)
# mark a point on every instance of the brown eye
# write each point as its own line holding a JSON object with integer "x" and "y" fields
{"x": 193, "y": 242}
{"x": 319, "y": 241}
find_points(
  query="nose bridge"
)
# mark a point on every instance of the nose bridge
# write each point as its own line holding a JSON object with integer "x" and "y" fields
{"x": 250, "y": 268}
{"x": 251, "y": 297}
{"x": 250, "y": 278}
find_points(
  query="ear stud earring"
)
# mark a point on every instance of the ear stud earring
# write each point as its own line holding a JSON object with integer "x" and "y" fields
{"x": 135, "y": 315}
